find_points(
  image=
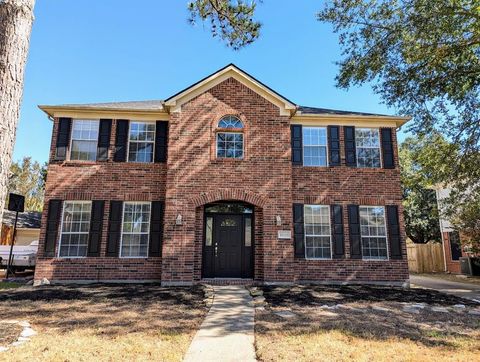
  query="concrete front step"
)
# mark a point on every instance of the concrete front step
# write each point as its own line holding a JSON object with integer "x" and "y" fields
{"x": 227, "y": 281}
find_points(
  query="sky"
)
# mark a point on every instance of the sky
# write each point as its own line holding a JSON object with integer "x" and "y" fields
{"x": 121, "y": 50}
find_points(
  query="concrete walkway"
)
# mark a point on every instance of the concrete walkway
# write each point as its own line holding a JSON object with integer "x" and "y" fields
{"x": 459, "y": 289}
{"x": 227, "y": 332}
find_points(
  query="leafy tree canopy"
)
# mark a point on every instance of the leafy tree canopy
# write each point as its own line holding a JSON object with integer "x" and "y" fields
{"x": 232, "y": 21}
{"x": 422, "y": 57}
{"x": 27, "y": 178}
{"x": 419, "y": 199}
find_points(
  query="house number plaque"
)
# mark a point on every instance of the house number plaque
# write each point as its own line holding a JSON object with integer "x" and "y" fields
{"x": 284, "y": 234}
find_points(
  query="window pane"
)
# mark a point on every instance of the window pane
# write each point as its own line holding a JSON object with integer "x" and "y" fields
{"x": 248, "y": 232}
{"x": 317, "y": 231}
{"x": 314, "y": 146}
{"x": 75, "y": 228}
{"x": 367, "y": 142}
{"x": 141, "y": 142}
{"x": 209, "y": 232}
{"x": 84, "y": 140}
{"x": 229, "y": 145}
{"x": 373, "y": 232}
{"x": 135, "y": 229}
{"x": 230, "y": 122}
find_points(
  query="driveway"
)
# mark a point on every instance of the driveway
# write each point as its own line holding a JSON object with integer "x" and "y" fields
{"x": 464, "y": 290}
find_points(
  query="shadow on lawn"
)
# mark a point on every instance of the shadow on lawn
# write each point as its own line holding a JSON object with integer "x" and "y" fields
{"x": 428, "y": 328}
{"x": 107, "y": 309}
{"x": 314, "y": 294}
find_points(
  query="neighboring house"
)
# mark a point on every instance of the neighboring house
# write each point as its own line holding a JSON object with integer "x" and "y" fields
{"x": 452, "y": 249}
{"x": 28, "y": 227}
{"x": 225, "y": 179}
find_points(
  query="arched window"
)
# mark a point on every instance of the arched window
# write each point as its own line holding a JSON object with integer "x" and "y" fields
{"x": 230, "y": 144}
{"x": 230, "y": 122}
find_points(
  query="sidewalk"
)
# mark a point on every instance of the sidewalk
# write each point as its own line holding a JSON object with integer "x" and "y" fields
{"x": 227, "y": 333}
{"x": 459, "y": 289}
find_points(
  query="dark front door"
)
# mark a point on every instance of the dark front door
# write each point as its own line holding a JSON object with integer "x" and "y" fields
{"x": 228, "y": 241}
{"x": 228, "y": 246}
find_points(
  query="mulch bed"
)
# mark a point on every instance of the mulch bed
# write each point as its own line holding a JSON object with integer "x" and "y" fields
{"x": 9, "y": 333}
{"x": 120, "y": 293}
{"x": 311, "y": 295}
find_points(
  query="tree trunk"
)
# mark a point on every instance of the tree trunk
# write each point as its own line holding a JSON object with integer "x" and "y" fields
{"x": 16, "y": 17}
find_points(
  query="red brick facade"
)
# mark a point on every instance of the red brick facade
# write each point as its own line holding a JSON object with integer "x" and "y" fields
{"x": 193, "y": 177}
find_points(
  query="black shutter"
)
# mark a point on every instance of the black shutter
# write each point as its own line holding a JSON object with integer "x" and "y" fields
{"x": 350, "y": 151}
{"x": 298, "y": 231}
{"x": 63, "y": 138}
{"x": 156, "y": 229}
{"x": 337, "y": 231}
{"x": 354, "y": 230}
{"x": 53, "y": 220}
{"x": 161, "y": 141}
{"x": 121, "y": 141}
{"x": 96, "y": 224}
{"x": 104, "y": 139}
{"x": 387, "y": 148}
{"x": 394, "y": 232}
{"x": 296, "y": 139}
{"x": 114, "y": 228}
{"x": 334, "y": 145}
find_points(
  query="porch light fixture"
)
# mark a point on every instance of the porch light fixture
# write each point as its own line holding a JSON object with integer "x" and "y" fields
{"x": 178, "y": 220}
{"x": 279, "y": 220}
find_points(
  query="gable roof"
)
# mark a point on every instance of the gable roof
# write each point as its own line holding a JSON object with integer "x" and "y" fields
{"x": 286, "y": 106}
{"x": 315, "y": 110}
{"x": 174, "y": 103}
{"x": 152, "y": 105}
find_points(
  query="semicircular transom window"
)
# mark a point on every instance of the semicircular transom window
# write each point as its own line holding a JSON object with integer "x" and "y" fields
{"x": 230, "y": 122}
{"x": 230, "y": 143}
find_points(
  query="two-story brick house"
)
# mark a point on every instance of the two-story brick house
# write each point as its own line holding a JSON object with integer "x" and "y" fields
{"x": 225, "y": 179}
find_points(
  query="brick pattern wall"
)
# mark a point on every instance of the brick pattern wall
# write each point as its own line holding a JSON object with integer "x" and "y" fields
{"x": 193, "y": 171}
{"x": 350, "y": 185}
{"x": 453, "y": 266}
{"x": 193, "y": 177}
{"x": 78, "y": 180}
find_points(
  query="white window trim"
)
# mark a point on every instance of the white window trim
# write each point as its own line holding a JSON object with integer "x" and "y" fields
{"x": 121, "y": 231}
{"x": 330, "y": 235}
{"x": 386, "y": 235}
{"x": 128, "y": 141}
{"x": 70, "y": 143}
{"x": 379, "y": 147}
{"x": 229, "y": 158}
{"x": 61, "y": 229}
{"x": 326, "y": 147}
{"x": 230, "y": 116}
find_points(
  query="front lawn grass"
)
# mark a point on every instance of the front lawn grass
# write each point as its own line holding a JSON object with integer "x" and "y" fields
{"x": 104, "y": 322}
{"x": 356, "y": 332}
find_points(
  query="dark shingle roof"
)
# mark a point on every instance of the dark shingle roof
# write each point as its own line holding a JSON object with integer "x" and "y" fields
{"x": 27, "y": 220}
{"x": 152, "y": 105}
{"x": 315, "y": 110}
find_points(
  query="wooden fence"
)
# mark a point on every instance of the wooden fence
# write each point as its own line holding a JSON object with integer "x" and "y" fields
{"x": 425, "y": 258}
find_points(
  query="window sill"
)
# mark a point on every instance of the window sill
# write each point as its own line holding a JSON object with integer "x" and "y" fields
{"x": 228, "y": 159}
{"x": 375, "y": 260}
{"x": 79, "y": 163}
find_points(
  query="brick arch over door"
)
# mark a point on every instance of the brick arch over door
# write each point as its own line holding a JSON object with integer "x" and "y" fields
{"x": 256, "y": 200}
{"x": 228, "y": 194}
